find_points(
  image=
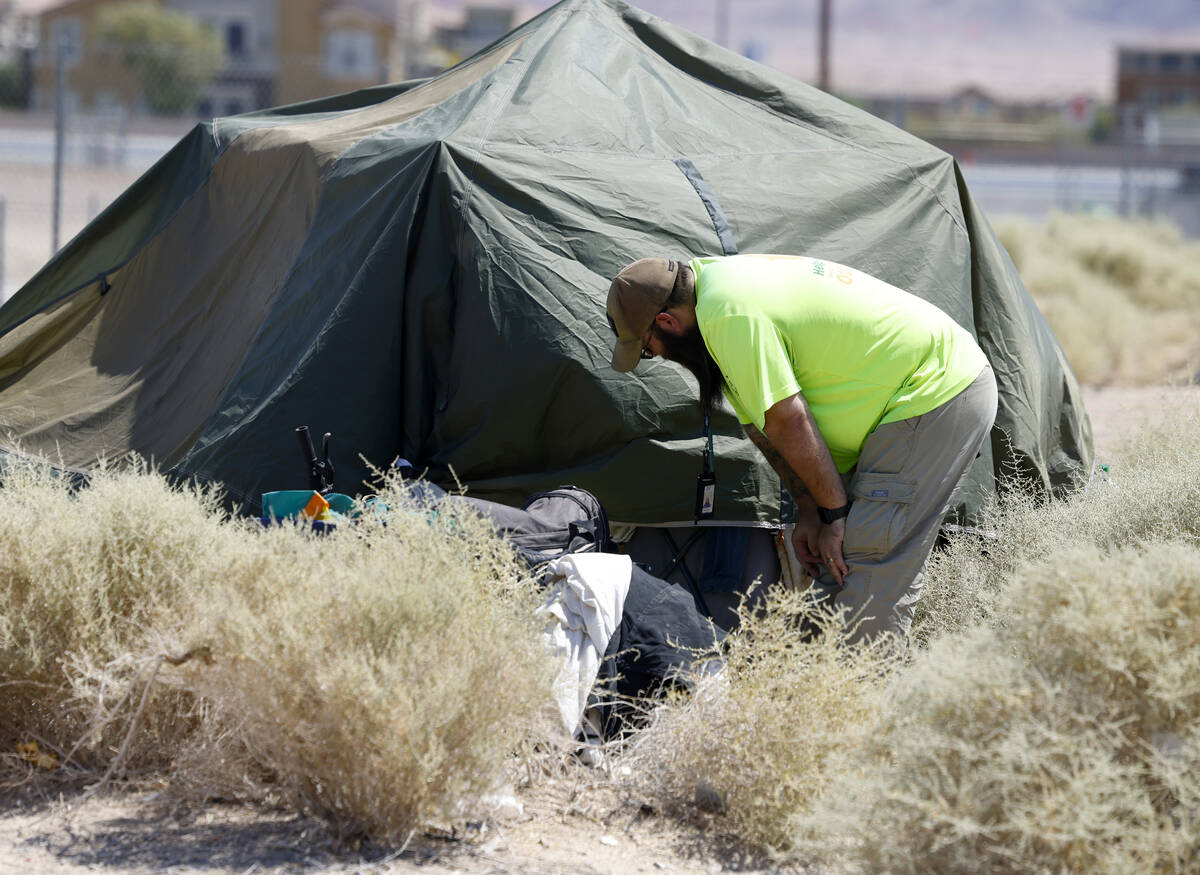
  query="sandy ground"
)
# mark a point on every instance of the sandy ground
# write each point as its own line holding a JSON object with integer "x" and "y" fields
{"x": 569, "y": 825}
{"x": 1118, "y": 414}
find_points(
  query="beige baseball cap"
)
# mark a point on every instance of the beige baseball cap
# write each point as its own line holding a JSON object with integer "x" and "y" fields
{"x": 636, "y": 296}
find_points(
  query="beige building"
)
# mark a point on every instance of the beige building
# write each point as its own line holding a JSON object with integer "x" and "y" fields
{"x": 331, "y": 46}
{"x": 92, "y": 79}
{"x": 275, "y": 52}
{"x": 248, "y": 30}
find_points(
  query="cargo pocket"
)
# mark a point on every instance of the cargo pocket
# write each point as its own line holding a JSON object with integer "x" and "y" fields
{"x": 879, "y": 516}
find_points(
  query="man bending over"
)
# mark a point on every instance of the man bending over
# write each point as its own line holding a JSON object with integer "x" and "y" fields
{"x": 869, "y": 402}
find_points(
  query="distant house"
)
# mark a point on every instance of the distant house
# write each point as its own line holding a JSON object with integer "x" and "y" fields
{"x": 1158, "y": 95}
{"x": 248, "y": 32}
{"x": 275, "y": 52}
{"x": 971, "y": 103}
{"x": 1158, "y": 78}
{"x": 974, "y": 115}
{"x": 92, "y": 79}
{"x": 331, "y": 46}
{"x": 480, "y": 27}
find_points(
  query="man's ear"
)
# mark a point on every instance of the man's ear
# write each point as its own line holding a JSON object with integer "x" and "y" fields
{"x": 667, "y": 322}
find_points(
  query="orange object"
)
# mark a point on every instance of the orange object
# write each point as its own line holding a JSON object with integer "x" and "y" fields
{"x": 29, "y": 750}
{"x": 316, "y": 509}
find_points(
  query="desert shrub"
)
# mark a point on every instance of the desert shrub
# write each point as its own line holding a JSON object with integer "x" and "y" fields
{"x": 1047, "y": 719}
{"x": 752, "y": 746}
{"x": 1152, "y": 492}
{"x": 1123, "y": 296}
{"x": 364, "y": 671}
{"x": 1064, "y": 738}
{"x": 84, "y": 575}
{"x": 354, "y": 676}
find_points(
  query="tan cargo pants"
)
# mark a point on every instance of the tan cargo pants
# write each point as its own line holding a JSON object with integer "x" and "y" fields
{"x": 902, "y": 487}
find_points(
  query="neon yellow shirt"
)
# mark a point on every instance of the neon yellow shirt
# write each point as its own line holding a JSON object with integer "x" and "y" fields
{"x": 862, "y": 352}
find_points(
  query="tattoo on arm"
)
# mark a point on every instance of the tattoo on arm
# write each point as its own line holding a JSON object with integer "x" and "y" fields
{"x": 791, "y": 480}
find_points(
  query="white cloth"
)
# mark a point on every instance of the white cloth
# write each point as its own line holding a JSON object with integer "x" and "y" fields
{"x": 583, "y": 612}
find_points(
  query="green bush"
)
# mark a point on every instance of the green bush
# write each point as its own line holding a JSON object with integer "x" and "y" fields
{"x": 12, "y": 86}
{"x": 172, "y": 55}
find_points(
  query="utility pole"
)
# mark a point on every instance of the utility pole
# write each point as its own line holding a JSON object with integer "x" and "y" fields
{"x": 3, "y": 206}
{"x": 60, "y": 112}
{"x": 406, "y": 19}
{"x": 723, "y": 23}
{"x": 824, "y": 14}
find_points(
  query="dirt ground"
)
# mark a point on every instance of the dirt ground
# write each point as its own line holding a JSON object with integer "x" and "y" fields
{"x": 1120, "y": 413}
{"x": 569, "y": 825}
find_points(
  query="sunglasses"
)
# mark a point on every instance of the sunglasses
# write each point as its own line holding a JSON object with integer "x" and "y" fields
{"x": 645, "y": 353}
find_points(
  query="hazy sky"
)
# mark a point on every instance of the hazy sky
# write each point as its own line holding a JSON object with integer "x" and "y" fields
{"x": 1014, "y": 48}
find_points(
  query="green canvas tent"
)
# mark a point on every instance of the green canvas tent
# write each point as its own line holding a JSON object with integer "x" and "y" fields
{"x": 421, "y": 269}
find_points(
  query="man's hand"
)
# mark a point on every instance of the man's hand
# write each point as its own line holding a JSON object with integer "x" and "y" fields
{"x": 804, "y": 537}
{"x": 793, "y": 444}
{"x": 829, "y": 548}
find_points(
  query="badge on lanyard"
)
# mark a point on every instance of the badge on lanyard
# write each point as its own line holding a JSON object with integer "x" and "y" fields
{"x": 706, "y": 483}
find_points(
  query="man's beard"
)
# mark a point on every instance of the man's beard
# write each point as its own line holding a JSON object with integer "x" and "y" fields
{"x": 689, "y": 350}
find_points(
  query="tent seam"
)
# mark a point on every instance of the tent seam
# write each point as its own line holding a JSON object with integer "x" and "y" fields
{"x": 858, "y": 147}
{"x": 626, "y": 153}
{"x": 815, "y": 130}
{"x": 484, "y": 137}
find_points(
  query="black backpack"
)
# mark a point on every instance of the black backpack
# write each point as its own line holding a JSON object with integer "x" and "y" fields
{"x": 551, "y": 524}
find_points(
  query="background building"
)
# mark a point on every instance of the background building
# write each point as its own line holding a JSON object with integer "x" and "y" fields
{"x": 478, "y": 27}
{"x": 1158, "y": 96}
{"x": 273, "y": 52}
{"x": 92, "y": 80}
{"x": 332, "y": 46}
{"x": 249, "y": 36}
{"x": 1158, "y": 78}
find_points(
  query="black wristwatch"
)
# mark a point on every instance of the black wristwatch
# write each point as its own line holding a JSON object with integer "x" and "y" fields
{"x": 828, "y": 515}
